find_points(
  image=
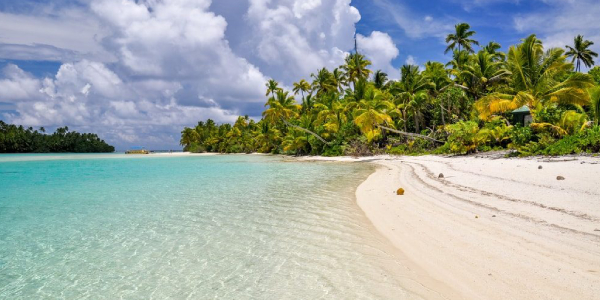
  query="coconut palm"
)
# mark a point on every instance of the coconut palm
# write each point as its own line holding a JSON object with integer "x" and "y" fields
{"x": 331, "y": 113}
{"x": 272, "y": 87}
{"x": 339, "y": 78}
{"x": 301, "y": 87}
{"x": 356, "y": 67}
{"x": 380, "y": 79}
{"x": 308, "y": 103}
{"x": 481, "y": 73}
{"x": 372, "y": 111}
{"x": 459, "y": 59}
{"x": 461, "y": 38}
{"x": 580, "y": 52}
{"x": 411, "y": 84}
{"x": 595, "y": 99}
{"x": 188, "y": 136}
{"x": 323, "y": 82}
{"x": 282, "y": 108}
{"x": 437, "y": 74}
{"x": 417, "y": 105}
{"x": 492, "y": 48}
{"x": 537, "y": 81}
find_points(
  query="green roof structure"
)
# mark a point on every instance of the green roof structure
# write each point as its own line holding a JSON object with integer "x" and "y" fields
{"x": 522, "y": 110}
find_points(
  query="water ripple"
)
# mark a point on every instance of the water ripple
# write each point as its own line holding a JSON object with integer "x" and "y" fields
{"x": 227, "y": 227}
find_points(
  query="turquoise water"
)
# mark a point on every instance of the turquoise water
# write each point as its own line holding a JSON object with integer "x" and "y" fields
{"x": 187, "y": 227}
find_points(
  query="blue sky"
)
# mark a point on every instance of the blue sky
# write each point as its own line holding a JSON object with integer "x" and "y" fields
{"x": 489, "y": 20}
{"x": 137, "y": 72}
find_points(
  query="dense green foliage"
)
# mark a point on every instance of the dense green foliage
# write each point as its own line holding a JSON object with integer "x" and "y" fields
{"x": 17, "y": 139}
{"x": 461, "y": 107}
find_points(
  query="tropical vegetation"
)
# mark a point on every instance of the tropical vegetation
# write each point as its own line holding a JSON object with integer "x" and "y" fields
{"x": 466, "y": 105}
{"x": 17, "y": 139}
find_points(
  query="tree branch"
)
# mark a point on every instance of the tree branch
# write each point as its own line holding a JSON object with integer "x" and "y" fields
{"x": 305, "y": 130}
{"x": 411, "y": 135}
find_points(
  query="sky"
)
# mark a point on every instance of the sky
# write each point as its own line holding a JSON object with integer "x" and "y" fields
{"x": 137, "y": 71}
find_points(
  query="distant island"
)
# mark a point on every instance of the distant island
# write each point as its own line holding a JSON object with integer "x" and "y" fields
{"x": 531, "y": 99}
{"x": 17, "y": 139}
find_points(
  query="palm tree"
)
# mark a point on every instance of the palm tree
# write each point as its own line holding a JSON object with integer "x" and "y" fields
{"x": 188, "y": 136}
{"x": 581, "y": 53}
{"x": 482, "y": 72}
{"x": 339, "y": 78}
{"x": 380, "y": 79}
{"x": 417, "y": 105}
{"x": 492, "y": 48}
{"x": 437, "y": 74}
{"x": 459, "y": 59}
{"x": 272, "y": 87}
{"x": 372, "y": 112}
{"x": 323, "y": 82}
{"x": 330, "y": 113}
{"x": 537, "y": 81}
{"x": 356, "y": 67}
{"x": 595, "y": 97}
{"x": 412, "y": 83}
{"x": 308, "y": 103}
{"x": 282, "y": 108}
{"x": 461, "y": 38}
{"x": 301, "y": 87}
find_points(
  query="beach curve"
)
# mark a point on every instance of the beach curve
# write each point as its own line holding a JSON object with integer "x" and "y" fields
{"x": 479, "y": 233}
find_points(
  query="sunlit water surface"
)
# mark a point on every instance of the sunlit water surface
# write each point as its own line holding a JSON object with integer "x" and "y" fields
{"x": 195, "y": 227}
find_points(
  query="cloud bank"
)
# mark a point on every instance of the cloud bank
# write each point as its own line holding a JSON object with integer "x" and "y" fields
{"x": 138, "y": 71}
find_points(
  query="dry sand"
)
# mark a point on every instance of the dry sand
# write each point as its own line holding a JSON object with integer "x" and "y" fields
{"x": 492, "y": 228}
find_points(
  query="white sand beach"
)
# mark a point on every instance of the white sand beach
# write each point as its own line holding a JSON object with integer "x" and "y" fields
{"x": 491, "y": 228}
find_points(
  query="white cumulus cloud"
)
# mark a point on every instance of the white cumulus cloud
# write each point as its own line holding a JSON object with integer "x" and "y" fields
{"x": 380, "y": 50}
{"x": 137, "y": 71}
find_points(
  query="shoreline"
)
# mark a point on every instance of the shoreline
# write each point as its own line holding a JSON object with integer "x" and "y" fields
{"x": 492, "y": 228}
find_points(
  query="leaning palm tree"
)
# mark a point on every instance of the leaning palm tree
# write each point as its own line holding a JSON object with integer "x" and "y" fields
{"x": 537, "y": 81}
{"x": 581, "y": 53}
{"x": 283, "y": 108}
{"x": 461, "y": 38}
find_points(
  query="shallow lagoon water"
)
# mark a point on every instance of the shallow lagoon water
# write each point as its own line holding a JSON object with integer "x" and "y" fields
{"x": 187, "y": 227}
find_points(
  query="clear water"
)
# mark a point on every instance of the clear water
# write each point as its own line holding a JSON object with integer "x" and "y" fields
{"x": 202, "y": 227}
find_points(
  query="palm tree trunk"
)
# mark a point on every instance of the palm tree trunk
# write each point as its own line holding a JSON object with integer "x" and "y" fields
{"x": 404, "y": 119}
{"x": 442, "y": 111}
{"x": 417, "y": 127}
{"x": 412, "y": 135}
{"x": 305, "y": 130}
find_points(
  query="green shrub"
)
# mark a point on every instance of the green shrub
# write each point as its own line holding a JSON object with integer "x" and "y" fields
{"x": 462, "y": 137}
{"x": 334, "y": 150}
{"x": 520, "y": 136}
{"x": 587, "y": 141}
